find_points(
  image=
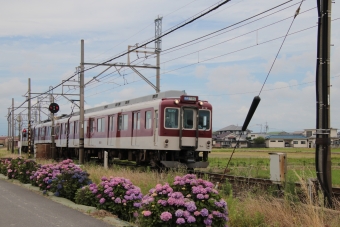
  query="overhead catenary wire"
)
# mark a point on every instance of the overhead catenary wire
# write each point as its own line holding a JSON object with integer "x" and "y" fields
{"x": 222, "y": 55}
{"x": 231, "y": 30}
{"x": 283, "y": 41}
{"x": 144, "y": 44}
{"x": 257, "y": 98}
{"x": 147, "y": 27}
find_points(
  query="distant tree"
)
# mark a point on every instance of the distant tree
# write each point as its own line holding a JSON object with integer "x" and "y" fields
{"x": 259, "y": 140}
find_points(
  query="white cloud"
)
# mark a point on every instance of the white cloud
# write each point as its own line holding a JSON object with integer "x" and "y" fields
{"x": 41, "y": 40}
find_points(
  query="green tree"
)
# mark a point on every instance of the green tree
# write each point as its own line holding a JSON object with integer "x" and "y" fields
{"x": 259, "y": 140}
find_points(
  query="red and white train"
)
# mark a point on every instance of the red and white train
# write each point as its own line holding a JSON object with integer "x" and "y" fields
{"x": 168, "y": 129}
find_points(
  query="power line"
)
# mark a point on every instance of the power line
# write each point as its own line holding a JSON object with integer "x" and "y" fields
{"x": 235, "y": 37}
{"x": 222, "y": 55}
{"x": 284, "y": 39}
{"x": 227, "y": 31}
{"x": 234, "y": 29}
{"x": 228, "y": 26}
{"x": 146, "y": 27}
{"x": 166, "y": 33}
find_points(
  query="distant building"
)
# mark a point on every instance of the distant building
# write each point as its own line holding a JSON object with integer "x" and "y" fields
{"x": 228, "y": 137}
{"x": 254, "y": 135}
{"x": 289, "y": 140}
{"x": 311, "y": 135}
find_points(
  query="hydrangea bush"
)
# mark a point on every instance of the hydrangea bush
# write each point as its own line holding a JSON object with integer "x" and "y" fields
{"x": 188, "y": 202}
{"x": 21, "y": 169}
{"x": 4, "y": 163}
{"x": 115, "y": 194}
{"x": 64, "y": 178}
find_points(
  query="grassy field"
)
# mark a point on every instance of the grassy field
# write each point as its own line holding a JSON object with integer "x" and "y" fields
{"x": 255, "y": 162}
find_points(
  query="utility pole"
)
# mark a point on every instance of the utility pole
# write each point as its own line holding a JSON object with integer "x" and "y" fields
{"x": 8, "y": 129}
{"x": 323, "y": 129}
{"x": 19, "y": 130}
{"x": 12, "y": 126}
{"x": 29, "y": 118}
{"x": 158, "y": 49}
{"x": 81, "y": 116}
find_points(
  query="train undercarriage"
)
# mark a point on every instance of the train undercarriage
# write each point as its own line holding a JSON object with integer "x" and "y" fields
{"x": 153, "y": 158}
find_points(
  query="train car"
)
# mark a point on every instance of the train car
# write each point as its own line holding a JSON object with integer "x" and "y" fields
{"x": 168, "y": 129}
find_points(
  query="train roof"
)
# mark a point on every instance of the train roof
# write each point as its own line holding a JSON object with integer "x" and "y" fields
{"x": 161, "y": 95}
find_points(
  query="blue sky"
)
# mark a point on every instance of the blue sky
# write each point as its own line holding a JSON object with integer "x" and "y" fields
{"x": 41, "y": 40}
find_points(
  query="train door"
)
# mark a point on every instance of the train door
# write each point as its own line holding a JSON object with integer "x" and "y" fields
{"x": 90, "y": 131}
{"x": 111, "y": 139}
{"x": 188, "y": 128}
{"x": 155, "y": 128}
{"x": 135, "y": 128}
{"x": 76, "y": 134}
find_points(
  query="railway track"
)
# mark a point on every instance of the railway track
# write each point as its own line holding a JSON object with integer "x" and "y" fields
{"x": 251, "y": 182}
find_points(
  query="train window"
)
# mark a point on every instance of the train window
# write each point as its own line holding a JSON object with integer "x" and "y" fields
{"x": 57, "y": 130}
{"x": 188, "y": 118}
{"x": 76, "y": 127}
{"x": 66, "y": 129}
{"x": 112, "y": 123}
{"x": 85, "y": 127}
{"x": 91, "y": 124}
{"x": 136, "y": 120}
{"x": 204, "y": 119}
{"x": 156, "y": 118}
{"x": 123, "y": 122}
{"x": 148, "y": 119}
{"x": 100, "y": 124}
{"x": 71, "y": 128}
{"x": 171, "y": 118}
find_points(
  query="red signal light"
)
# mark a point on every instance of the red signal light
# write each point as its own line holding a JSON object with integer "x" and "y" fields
{"x": 54, "y": 107}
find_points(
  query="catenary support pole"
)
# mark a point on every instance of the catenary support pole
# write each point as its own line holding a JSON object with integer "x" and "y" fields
{"x": 19, "y": 134}
{"x": 323, "y": 128}
{"x": 81, "y": 117}
{"x": 29, "y": 133}
{"x": 12, "y": 148}
{"x": 8, "y": 129}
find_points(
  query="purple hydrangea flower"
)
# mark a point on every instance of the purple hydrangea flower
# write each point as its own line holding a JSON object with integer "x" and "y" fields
{"x": 180, "y": 221}
{"x": 166, "y": 216}
{"x": 204, "y": 212}
{"x": 191, "y": 219}
{"x": 207, "y": 222}
{"x": 179, "y": 213}
{"x": 102, "y": 200}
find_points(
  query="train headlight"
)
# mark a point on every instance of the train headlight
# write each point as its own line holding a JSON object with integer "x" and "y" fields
{"x": 200, "y": 103}
{"x": 176, "y": 101}
{"x": 166, "y": 143}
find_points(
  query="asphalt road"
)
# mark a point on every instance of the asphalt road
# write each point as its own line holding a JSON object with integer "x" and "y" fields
{"x": 22, "y": 207}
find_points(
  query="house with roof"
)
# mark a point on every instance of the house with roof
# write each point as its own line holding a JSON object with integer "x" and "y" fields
{"x": 288, "y": 140}
{"x": 228, "y": 137}
{"x": 254, "y": 135}
{"x": 311, "y": 135}
{"x": 233, "y": 129}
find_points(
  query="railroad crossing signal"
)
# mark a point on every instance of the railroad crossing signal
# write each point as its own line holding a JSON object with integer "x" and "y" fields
{"x": 54, "y": 107}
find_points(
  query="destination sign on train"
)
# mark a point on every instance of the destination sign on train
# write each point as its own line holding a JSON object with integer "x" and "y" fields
{"x": 189, "y": 98}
